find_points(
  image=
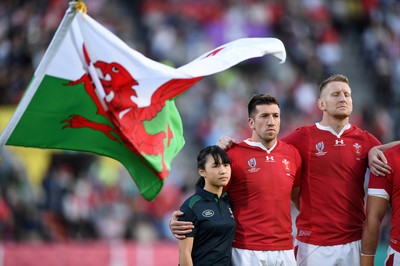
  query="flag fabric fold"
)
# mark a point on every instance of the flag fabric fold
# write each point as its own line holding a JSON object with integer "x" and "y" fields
{"x": 93, "y": 93}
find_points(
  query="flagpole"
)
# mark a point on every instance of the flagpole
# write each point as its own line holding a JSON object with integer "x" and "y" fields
{"x": 41, "y": 70}
{"x": 98, "y": 87}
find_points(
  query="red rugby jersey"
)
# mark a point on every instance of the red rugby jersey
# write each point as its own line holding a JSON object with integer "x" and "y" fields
{"x": 391, "y": 184}
{"x": 260, "y": 194}
{"x": 332, "y": 187}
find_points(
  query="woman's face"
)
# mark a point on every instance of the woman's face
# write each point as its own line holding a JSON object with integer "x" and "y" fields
{"x": 214, "y": 174}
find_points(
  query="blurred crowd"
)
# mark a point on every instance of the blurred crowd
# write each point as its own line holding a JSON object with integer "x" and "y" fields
{"x": 82, "y": 198}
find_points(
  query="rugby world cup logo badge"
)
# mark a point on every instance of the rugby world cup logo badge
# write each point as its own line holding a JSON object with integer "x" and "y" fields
{"x": 252, "y": 163}
{"x": 320, "y": 149}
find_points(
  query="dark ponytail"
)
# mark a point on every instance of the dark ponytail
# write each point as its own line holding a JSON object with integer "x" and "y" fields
{"x": 201, "y": 182}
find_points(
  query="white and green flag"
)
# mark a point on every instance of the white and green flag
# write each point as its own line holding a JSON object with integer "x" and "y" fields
{"x": 93, "y": 93}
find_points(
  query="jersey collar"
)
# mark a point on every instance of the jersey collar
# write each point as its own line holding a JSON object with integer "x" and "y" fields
{"x": 260, "y": 145}
{"x": 208, "y": 195}
{"x": 328, "y": 128}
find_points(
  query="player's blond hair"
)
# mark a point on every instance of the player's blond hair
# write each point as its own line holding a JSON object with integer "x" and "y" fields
{"x": 335, "y": 77}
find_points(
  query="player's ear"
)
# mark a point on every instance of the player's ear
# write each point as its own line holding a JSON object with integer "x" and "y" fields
{"x": 202, "y": 172}
{"x": 321, "y": 104}
{"x": 250, "y": 122}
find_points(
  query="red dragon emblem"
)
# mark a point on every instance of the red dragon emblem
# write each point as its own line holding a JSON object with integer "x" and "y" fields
{"x": 119, "y": 87}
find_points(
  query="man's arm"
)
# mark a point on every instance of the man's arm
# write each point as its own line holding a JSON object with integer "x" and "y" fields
{"x": 376, "y": 210}
{"x": 179, "y": 228}
{"x": 377, "y": 161}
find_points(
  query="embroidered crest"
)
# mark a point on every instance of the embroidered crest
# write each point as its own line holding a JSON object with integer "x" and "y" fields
{"x": 286, "y": 164}
{"x": 357, "y": 149}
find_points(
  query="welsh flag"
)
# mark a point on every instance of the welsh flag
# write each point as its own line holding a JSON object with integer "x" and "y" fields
{"x": 93, "y": 93}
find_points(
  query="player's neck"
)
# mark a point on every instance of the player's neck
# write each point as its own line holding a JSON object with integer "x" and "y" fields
{"x": 335, "y": 123}
{"x": 267, "y": 143}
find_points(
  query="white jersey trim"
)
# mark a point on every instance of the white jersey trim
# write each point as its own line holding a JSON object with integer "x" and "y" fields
{"x": 378, "y": 192}
{"x": 260, "y": 145}
{"x": 328, "y": 128}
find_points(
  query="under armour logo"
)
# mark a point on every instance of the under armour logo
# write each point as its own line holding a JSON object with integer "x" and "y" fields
{"x": 339, "y": 142}
{"x": 269, "y": 159}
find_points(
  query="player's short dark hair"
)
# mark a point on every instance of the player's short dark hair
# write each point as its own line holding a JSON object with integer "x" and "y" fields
{"x": 260, "y": 99}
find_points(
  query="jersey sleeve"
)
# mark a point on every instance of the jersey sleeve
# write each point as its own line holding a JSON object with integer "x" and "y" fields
{"x": 379, "y": 186}
{"x": 382, "y": 186}
{"x": 373, "y": 141}
{"x": 297, "y": 178}
{"x": 189, "y": 216}
{"x": 231, "y": 156}
{"x": 297, "y": 138}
